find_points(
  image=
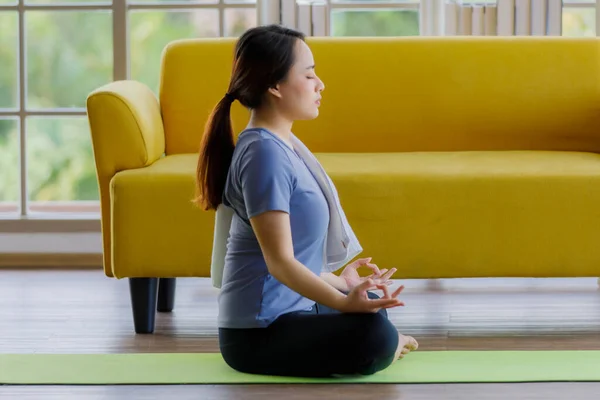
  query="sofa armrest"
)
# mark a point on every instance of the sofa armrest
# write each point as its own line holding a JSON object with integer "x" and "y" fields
{"x": 126, "y": 126}
{"x": 127, "y": 132}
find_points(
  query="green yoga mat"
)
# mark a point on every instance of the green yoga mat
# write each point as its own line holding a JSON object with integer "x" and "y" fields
{"x": 417, "y": 367}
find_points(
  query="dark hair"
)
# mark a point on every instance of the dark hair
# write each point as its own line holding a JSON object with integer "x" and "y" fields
{"x": 263, "y": 57}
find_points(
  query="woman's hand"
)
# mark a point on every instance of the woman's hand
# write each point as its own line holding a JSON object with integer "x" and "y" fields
{"x": 352, "y": 279}
{"x": 358, "y": 301}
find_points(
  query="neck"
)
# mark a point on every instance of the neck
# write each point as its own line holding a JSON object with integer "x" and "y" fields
{"x": 273, "y": 122}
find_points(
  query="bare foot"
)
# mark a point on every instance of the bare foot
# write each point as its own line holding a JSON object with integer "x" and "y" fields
{"x": 412, "y": 343}
{"x": 406, "y": 344}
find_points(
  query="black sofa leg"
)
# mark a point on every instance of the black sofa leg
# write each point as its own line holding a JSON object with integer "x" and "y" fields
{"x": 166, "y": 295}
{"x": 143, "y": 293}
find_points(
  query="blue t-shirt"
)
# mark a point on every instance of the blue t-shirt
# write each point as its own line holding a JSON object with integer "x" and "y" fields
{"x": 267, "y": 174}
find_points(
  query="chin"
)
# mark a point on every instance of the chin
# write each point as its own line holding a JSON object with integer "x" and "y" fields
{"x": 312, "y": 115}
{"x": 307, "y": 114}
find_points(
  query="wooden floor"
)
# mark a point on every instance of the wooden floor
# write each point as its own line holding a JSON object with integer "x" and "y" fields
{"x": 85, "y": 312}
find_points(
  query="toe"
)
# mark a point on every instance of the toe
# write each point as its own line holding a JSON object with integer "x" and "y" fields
{"x": 411, "y": 343}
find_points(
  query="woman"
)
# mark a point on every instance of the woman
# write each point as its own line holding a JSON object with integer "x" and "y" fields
{"x": 278, "y": 314}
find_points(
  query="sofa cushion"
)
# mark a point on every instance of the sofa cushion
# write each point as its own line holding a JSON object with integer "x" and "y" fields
{"x": 450, "y": 214}
{"x": 158, "y": 228}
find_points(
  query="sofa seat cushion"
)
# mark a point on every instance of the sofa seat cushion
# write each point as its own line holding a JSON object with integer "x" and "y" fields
{"x": 474, "y": 214}
{"x": 450, "y": 214}
{"x": 157, "y": 230}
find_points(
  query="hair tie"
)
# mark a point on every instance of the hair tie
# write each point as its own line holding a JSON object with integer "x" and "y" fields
{"x": 230, "y": 97}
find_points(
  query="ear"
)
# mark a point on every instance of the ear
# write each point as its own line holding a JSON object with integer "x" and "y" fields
{"x": 275, "y": 91}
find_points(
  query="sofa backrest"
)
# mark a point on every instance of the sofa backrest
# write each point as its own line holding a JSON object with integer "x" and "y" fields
{"x": 412, "y": 94}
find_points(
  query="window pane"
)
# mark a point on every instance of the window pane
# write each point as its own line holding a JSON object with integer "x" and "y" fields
{"x": 174, "y": 1}
{"x": 9, "y": 165}
{"x": 7, "y": 2}
{"x": 8, "y": 59}
{"x": 60, "y": 164}
{"x": 238, "y": 20}
{"x": 69, "y": 54}
{"x": 375, "y": 23}
{"x": 65, "y": 1}
{"x": 385, "y": 1}
{"x": 151, "y": 31}
{"x": 579, "y": 21}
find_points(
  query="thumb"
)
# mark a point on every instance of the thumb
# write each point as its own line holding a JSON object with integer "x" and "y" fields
{"x": 366, "y": 285}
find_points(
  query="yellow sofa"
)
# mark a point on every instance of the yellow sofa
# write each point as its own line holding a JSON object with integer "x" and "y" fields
{"x": 453, "y": 157}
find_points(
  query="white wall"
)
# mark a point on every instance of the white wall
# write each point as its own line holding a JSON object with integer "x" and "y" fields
{"x": 85, "y": 242}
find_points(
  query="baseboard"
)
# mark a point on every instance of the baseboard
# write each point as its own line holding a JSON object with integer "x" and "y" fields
{"x": 51, "y": 260}
{"x": 50, "y": 242}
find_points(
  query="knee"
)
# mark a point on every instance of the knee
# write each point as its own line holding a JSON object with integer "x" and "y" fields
{"x": 381, "y": 336}
{"x": 380, "y": 344}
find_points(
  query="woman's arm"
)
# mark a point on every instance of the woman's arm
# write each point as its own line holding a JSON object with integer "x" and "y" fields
{"x": 273, "y": 231}
{"x": 268, "y": 180}
{"x": 335, "y": 281}
{"x": 274, "y": 234}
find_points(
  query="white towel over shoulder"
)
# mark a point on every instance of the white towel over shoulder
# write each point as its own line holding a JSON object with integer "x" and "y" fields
{"x": 341, "y": 245}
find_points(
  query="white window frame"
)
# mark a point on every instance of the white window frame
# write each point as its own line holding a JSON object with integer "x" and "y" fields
{"x": 431, "y": 13}
{"x": 69, "y": 222}
{"x": 314, "y": 20}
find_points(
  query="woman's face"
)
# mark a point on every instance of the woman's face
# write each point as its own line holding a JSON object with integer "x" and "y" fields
{"x": 299, "y": 95}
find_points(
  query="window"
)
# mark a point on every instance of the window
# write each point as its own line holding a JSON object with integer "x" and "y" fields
{"x": 54, "y": 52}
{"x": 407, "y": 17}
{"x": 579, "y": 18}
{"x": 374, "y": 18}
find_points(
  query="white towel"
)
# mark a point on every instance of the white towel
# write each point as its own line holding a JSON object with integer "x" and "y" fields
{"x": 341, "y": 245}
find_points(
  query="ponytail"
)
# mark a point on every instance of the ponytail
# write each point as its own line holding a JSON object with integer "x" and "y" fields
{"x": 263, "y": 56}
{"x": 216, "y": 152}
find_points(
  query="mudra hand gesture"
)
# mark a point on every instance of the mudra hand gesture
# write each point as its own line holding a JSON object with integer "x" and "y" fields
{"x": 379, "y": 277}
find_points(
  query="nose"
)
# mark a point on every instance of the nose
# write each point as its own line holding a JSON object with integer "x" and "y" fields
{"x": 320, "y": 86}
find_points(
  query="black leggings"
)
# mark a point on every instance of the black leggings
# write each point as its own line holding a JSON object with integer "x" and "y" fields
{"x": 318, "y": 343}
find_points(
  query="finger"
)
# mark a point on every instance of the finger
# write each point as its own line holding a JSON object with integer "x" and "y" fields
{"x": 360, "y": 262}
{"x": 398, "y": 304}
{"x": 376, "y": 276}
{"x": 366, "y": 285}
{"x": 372, "y": 276}
{"x": 397, "y": 291}
{"x": 386, "y": 292}
{"x": 385, "y": 303}
{"x": 374, "y": 267}
{"x": 389, "y": 274}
